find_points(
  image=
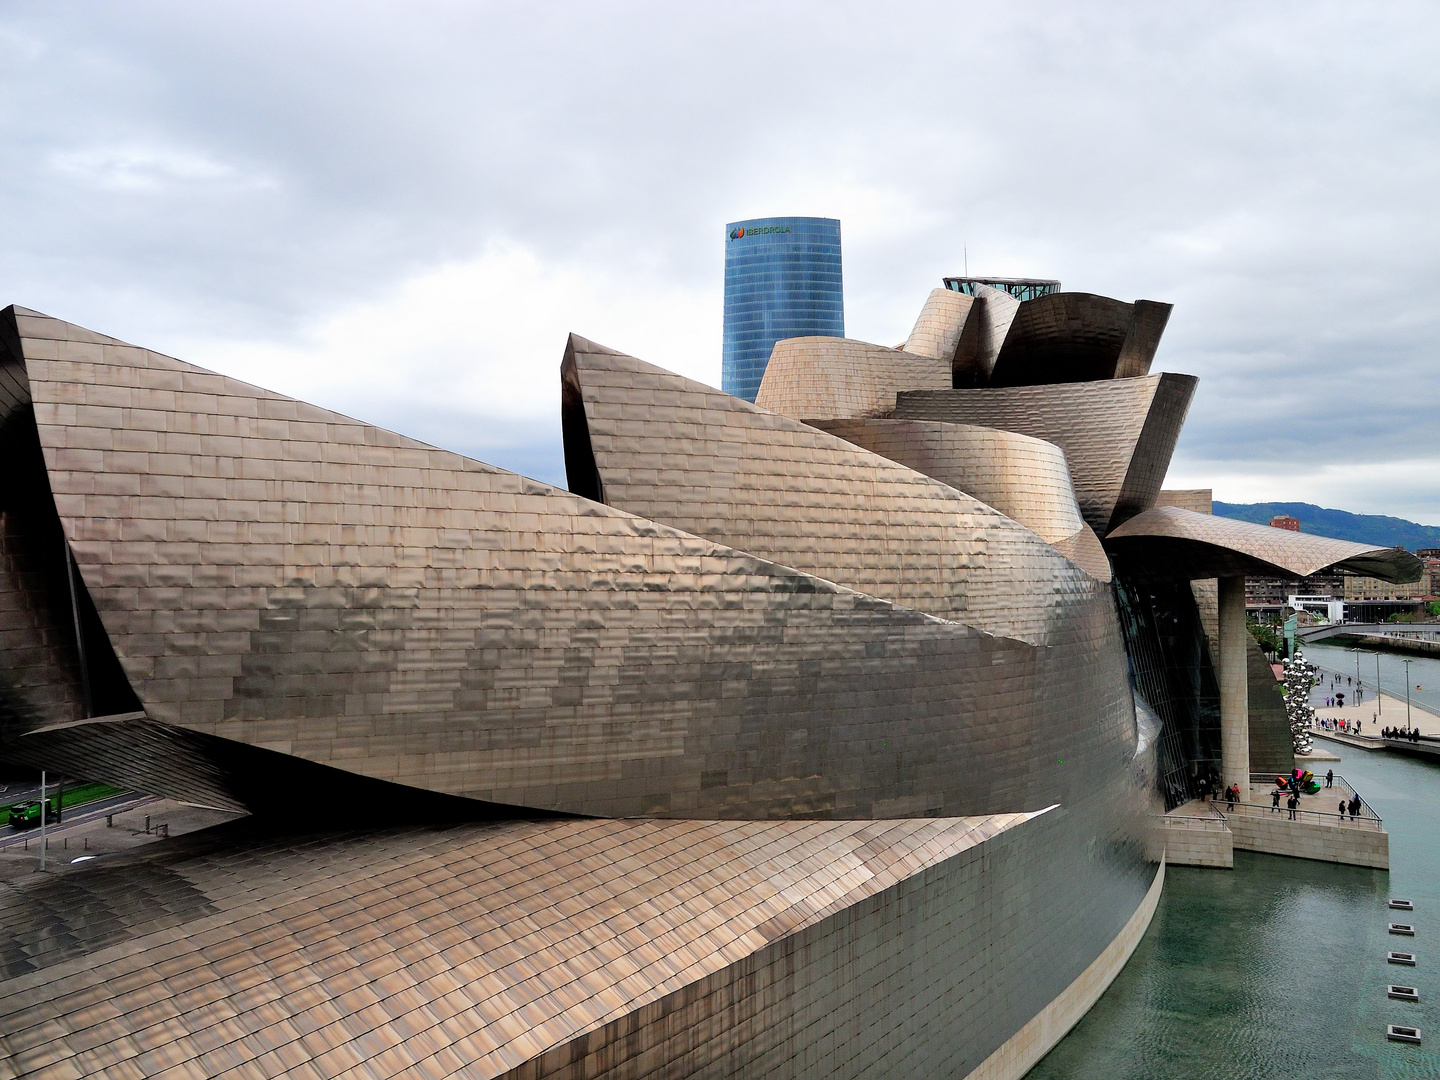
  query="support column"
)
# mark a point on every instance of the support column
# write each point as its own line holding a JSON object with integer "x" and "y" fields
{"x": 1234, "y": 687}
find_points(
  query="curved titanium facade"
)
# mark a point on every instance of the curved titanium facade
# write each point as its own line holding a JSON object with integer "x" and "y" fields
{"x": 1178, "y": 544}
{"x": 830, "y": 378}
{"x": 1079, "y": 337}
{"x": 782, "y": 280}
{"x": 614, "y": 949}
{"x": 836, "y": 689}
{"x": 937, "y": 329}
{"x": 1117, "y": 434}
{"x": 1025, "y": 479}
{"x": 733, "y": 473}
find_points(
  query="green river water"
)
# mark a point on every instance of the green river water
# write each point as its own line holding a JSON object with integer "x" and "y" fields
{"x": 1277, "y": 968}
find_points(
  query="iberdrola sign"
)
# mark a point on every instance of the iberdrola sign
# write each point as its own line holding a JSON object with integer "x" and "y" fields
{"x": 757, "y": 230}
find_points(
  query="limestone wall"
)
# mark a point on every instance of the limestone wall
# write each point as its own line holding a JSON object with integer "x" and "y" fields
{"x": 1275, "y": 834}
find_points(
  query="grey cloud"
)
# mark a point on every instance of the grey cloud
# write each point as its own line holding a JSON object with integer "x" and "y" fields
{"x": 237, "y": 170}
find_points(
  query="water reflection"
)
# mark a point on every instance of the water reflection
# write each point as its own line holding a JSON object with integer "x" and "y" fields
{"x": 1276, "y": 969}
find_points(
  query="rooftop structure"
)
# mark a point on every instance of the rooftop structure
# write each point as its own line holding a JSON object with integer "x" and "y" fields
{"x": 1019, "y": 288}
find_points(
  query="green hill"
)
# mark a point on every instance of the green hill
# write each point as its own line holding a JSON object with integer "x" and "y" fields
{"x": 1375, "y": 529}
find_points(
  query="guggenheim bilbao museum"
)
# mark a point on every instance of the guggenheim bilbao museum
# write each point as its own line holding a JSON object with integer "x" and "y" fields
{"x": 822, "y": 736}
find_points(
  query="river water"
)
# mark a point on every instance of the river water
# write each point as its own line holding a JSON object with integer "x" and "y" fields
{"x": 1277, "y": 968}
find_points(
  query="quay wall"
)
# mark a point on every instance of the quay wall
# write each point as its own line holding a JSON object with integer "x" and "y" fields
{"x": 1277, "y": 835}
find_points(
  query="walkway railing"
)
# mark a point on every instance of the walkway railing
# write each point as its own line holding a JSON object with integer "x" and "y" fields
{"x": 1314, "y": 817}
{"x": 1367, "y": 818}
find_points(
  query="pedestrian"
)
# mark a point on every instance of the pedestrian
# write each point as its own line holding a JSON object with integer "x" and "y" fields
{"x": 1329, "y": 777}
{"x": 1275, "y": 801}
{"x": 1342, "y": 809}
{"x": 1294, "y": 802}
{"x": 1230, "y": 798}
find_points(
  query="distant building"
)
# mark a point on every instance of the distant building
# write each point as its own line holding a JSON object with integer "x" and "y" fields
{"x": 1285, "y": 521}
{"x": 1359, "y": 587}
{"x": 1273, "y": 592}
{"x": 782, "y": 280}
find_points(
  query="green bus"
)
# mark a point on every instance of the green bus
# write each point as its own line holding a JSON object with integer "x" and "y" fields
{"x": 27, "y": 814}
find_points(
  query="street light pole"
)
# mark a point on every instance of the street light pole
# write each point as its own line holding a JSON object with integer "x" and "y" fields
{"x": 1379, "y": 697}
{"x": 1407, "y": 693}
{"x": 44, "y": 807}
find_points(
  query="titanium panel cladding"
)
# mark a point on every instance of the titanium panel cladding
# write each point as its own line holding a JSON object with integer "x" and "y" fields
{"x": 782, "y": 280}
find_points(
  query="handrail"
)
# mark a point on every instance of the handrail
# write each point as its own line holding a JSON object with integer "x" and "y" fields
{"x": 1318, "y": 817}
{"x": 1366, "y": 810}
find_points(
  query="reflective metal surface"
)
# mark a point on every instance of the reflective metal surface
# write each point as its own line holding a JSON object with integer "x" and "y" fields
{"x": 1025, "y": 479}
{"x": 937, "y": 329}
{"x": 835, "y": 377}
{"x": 683, "y": 453}
{"x": 1180, "y": 543}
{"x": 837, "y": 688}
{"x": 1118, "y": 435}
{"x": 578, "y": 949}
{"x": 1079, "y": 337}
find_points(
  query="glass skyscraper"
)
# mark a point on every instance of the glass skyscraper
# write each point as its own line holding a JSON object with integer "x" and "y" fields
{"x": 782, "y": 280}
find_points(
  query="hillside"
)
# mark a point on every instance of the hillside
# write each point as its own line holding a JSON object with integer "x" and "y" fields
{"x": 1341, "y": 524}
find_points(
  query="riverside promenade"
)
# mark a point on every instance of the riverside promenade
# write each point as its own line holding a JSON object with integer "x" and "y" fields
{"x": 1374, "y": 717}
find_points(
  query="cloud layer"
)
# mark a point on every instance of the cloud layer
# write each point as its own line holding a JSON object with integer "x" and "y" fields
{"x": 399, "y": 210}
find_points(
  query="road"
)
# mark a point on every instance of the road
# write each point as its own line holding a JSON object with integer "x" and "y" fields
{"x": 77, "y": 815}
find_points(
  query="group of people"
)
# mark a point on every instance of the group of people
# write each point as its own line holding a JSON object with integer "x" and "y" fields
{"x": 1293, "y": 802}
{"x": 1408, "y": 734}
{"x": 1348, "y": 726}
{"x": 1342, "y": 681}
{"x": 1350, "y": 806}
{"x": 1231, "y": 795}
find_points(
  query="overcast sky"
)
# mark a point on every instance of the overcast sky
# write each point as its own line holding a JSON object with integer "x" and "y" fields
{"x": 399, "y": 210}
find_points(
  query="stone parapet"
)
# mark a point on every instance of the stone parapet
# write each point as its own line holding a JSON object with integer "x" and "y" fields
{"x": 1196, "y": 842}
{"x": 1277, "y": 835}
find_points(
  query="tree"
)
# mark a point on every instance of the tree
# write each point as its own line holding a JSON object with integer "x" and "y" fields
{"x": 1271, "y": 640}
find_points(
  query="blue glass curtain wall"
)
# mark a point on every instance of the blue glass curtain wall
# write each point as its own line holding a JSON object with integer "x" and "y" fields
{"x": 782, "y": 280}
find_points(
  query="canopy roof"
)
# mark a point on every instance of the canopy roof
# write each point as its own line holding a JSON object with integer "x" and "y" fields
{"x": 1174, "y": 544}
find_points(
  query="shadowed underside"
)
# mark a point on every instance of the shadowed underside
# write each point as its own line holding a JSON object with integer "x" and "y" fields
{"x": 1172, "y": 543}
